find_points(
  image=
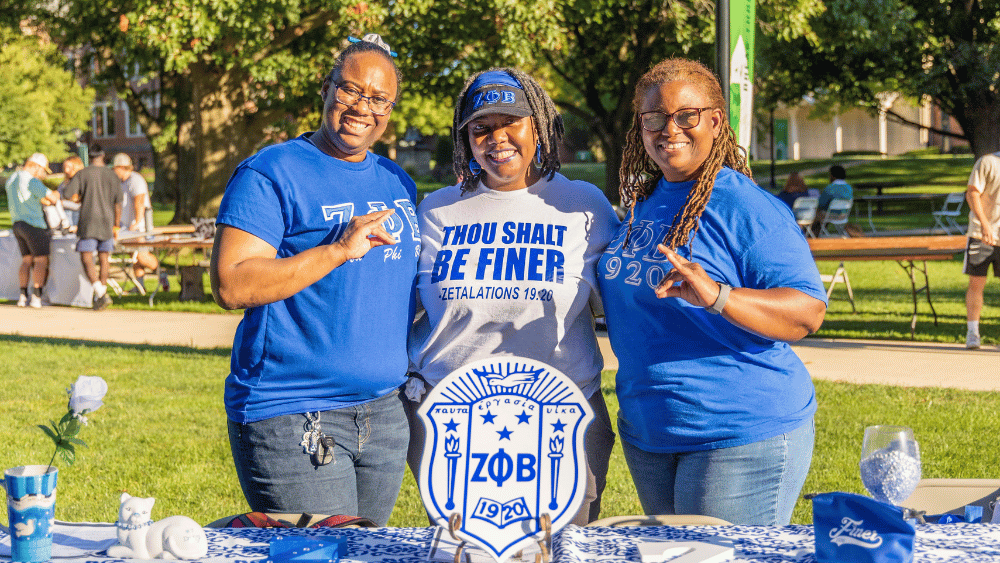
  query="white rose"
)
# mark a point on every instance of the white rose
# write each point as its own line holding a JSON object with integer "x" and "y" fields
{"x": 86, "y": 394}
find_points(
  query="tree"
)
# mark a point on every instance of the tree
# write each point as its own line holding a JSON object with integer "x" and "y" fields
{"x": 211, "y": 81}
{"x": 40, "y": 102}
{"x": 610, "y": 44}
{"x": 947, "y": 51}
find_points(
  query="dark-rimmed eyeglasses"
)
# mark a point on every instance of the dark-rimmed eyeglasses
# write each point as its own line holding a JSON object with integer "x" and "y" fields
{"x": 685, "y": 118}
{"x": 349, "y": 96}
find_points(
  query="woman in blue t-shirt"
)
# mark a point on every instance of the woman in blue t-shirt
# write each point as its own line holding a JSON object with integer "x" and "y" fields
{"x": 704, "y": 286}
{"x": 318, "y": 241}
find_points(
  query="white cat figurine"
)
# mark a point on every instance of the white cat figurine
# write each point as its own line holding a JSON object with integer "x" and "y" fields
{"x": 174, "y": 537}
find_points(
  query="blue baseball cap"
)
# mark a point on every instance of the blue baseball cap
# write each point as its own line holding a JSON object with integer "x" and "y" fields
{"x": 495, "y": 92}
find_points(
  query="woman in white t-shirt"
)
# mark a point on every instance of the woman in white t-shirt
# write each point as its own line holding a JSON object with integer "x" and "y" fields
{"x": 507, "y": 265}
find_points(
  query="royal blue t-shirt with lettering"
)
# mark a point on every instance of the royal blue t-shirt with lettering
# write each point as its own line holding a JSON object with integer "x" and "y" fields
{"x": 342, "y": 340}
{"x": 690, "y": 380}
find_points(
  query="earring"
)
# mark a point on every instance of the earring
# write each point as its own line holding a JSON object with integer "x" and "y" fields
{"x": 475, "y": 167}
{"x": 538, "y": 154}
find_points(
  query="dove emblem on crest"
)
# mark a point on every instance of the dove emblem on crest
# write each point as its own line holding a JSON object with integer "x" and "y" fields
{"x": 515, "y": 376}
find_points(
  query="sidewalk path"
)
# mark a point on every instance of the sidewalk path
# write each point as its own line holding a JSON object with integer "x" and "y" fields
{"x": 907, "y": 364}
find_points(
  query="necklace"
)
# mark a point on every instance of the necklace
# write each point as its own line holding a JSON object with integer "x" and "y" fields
{"x": 123, "y": 526}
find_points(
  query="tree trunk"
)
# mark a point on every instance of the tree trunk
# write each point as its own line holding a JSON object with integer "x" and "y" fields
{"x": 215, "y": 132}
{"x": 982, "y": 127}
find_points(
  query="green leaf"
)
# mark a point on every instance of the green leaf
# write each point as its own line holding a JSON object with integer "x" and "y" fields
{"x": 49, "y": 432}
{"x": 77, "y": 441}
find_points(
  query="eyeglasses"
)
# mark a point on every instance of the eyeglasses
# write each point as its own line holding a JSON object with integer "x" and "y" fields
{"x": 685, "y": 118}
{"x": 350, "y": 96}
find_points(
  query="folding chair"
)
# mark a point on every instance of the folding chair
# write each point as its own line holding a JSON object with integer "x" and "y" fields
{"x": 950, "y": 210}
{"x": 840, "y": 276}
{"x": 804, "y": 209}
{"x": 836, "y": 216}
{"x": 659, "y": 520}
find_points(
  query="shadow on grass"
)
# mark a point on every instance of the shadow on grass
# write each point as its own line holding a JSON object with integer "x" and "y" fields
{"x": 15, "y": 338}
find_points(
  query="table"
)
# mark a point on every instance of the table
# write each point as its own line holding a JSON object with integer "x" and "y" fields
{"x": 67, "y": 283}
{"x": 880, "y": 198}
{"x": 947, "y": 543}
{"x": 906, "y": 251}
{"x": 164, "y": 243}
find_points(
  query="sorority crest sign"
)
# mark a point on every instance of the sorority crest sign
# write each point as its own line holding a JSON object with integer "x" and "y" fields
{"x": 504, "y": 446}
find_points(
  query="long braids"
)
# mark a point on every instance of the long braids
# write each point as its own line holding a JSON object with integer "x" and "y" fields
{"x": 639, "y": 175}
{"x": 548, "y": 127}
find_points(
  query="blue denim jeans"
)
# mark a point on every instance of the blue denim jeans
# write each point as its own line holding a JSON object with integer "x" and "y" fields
{"x": 363, "y": 480}
{"x": 754, "y": 484}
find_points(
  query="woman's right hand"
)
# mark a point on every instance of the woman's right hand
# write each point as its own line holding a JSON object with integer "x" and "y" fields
{"x": 365, "y": 232}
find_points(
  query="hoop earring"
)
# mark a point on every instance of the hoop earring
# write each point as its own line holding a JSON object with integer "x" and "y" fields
{"x": 538, "y": 154}
{"x": 475, "y": 167}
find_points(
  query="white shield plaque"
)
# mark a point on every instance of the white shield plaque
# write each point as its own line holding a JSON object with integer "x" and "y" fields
{"x": 505, "y": 445}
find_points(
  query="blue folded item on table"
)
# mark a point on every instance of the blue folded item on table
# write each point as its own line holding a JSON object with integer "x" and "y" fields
{"x": 858, "y": 529}
{"x": 329, "y": 549}
{"x": 973, "y": 515}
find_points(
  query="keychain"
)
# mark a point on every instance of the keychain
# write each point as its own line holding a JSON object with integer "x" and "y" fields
{"x": 315, "y": 442}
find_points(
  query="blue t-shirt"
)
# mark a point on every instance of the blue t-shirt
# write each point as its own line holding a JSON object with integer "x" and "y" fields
{"x": 342, "y": 340}
{"x": 24, "y": 199}
{"x": 687, "y": 379}
{"x": 838, "y": 189}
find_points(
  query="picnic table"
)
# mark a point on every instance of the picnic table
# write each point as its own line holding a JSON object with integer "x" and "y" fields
{"x": 171, "y": 241}
{"x": 905, "y": 251}
{"x": 880, "y": 198}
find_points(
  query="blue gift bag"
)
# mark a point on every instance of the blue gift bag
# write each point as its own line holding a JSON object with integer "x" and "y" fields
{"x": 856, "y": 529}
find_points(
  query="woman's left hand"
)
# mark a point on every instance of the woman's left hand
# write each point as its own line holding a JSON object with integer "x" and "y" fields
{"x": 779, "y": 313}
{"x": 695, "y": 286}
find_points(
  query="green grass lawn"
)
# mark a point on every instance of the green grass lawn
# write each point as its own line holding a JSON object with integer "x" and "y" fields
{"x": 162, "y": 431}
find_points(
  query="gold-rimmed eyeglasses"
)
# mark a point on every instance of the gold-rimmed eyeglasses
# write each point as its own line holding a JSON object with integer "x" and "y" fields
{"x": 349, "y": 96}
{"x": 685, "y": 118}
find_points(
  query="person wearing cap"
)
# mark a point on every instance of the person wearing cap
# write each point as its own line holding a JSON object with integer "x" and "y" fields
{"x": 26, "y": 194}
{"x": 317, "y": 239}
{"x": 474, "y": 281}
{"x": 136, "y": 212}
{"x": 99, "y": 193}
{"x": 136, "y": 195}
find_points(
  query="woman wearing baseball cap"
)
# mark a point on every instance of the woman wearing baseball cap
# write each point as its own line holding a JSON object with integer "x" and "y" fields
{"x": 507, "y": 262}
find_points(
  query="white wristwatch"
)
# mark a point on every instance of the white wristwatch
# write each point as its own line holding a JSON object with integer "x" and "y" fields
{"x": 720, "y": 303}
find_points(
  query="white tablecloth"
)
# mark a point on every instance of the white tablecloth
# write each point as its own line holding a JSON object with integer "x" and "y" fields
{"x": 67, "y": 284}
{"x": 952, "y": 543}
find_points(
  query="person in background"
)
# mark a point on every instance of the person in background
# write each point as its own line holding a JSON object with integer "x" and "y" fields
{"x": 71, "y": 166}
{"x": 98, "y": 191}
{"x": 795, "y": 187}
{"x": 136, "y": 195}
{"x": 317, "y": 239}
{"x": 135, "y": 213}
{"x": 26, "y": 194}
{"x": 506, "y": 134}
{"x": 983, "y": 195}
{"x": 838, "y": 188}
{"x": 704, "y": 286}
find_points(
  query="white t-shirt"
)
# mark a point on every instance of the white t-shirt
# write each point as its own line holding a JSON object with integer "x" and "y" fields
{"x": 985, "y": 178}
{"x": 511, "y": 274}
{"x": 134, "y": 185}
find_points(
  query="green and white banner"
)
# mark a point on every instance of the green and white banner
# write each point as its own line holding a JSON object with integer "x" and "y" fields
{"x": 742, "y": 26}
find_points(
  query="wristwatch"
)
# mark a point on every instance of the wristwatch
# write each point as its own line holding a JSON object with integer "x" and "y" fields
{"x": 720, "y": 303}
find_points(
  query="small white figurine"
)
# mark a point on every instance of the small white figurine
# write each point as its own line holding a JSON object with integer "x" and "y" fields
{"x": 174, "y": 537}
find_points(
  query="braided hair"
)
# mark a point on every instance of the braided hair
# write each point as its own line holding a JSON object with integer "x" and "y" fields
{"x": 364, "y": 46}
{"x": 548, "y": 128}
{"x": 639, "y": 175}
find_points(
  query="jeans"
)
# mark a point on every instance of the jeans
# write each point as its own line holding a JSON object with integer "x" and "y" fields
{"x": 364, "y": 479}
{"x": 753, "y": 484}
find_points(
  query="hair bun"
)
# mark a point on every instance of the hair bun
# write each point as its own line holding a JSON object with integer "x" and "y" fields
{"x": 374, "y": 39}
